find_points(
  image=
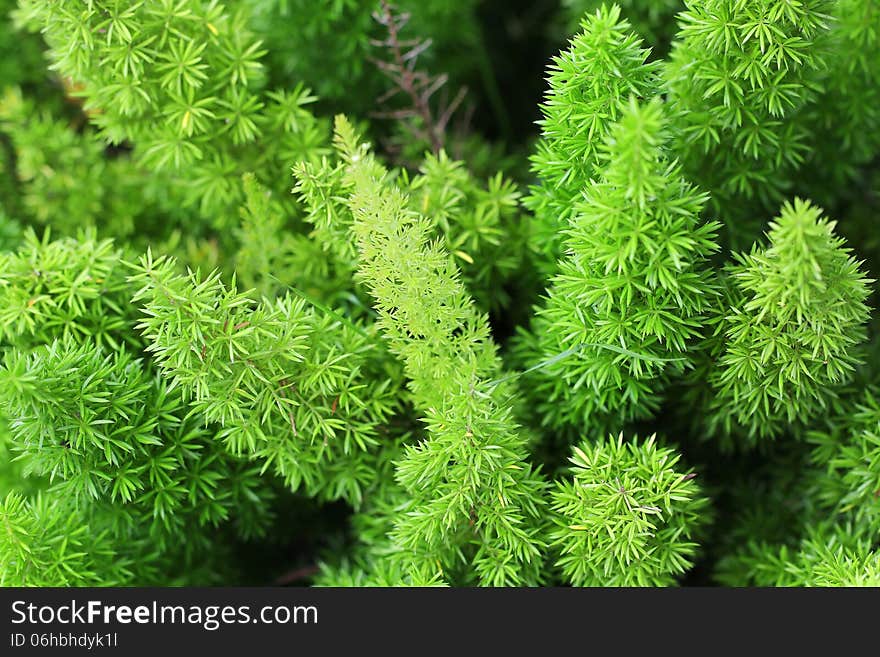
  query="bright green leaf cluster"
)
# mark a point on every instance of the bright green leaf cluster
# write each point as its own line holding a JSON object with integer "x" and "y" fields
{"x": 790, "y": 338}
{"x": 739, "y": 73}
{"x": 848, "y": 456}
{"x": 418, "y": 368}
{"x": 628, "y": 303}
{"x": 626, "y": 516}
{"x": 304, "y": 392}
{"x": 106, "y": 434}
{"x": 845, "y": 122}
{"x": 603, "y": 67}
{"x": 480, "y": 223}
{"x": 182, "y": 81}
{"x": 653, "y": 20}
{"x": 826, "y": 557}
{"x": 44, "y": 544}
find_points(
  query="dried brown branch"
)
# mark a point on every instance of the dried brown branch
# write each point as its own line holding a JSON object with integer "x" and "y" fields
{"x": 419, "y": 87}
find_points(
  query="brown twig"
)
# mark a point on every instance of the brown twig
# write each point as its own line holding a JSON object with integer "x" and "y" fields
{"x": 419, "y": 86}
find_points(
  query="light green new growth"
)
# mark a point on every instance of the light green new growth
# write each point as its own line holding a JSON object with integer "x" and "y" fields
{"x": 472, "y": 494}
{"x": 343, "y": 73}
{"x": 470, "y": 216}
{"x": 428, "y": 362}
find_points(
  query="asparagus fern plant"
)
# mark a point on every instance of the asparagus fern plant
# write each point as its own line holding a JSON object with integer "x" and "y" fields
{"x": 268, "y": 315}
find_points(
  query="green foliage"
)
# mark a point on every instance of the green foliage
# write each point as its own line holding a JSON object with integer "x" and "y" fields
{"x": 270, "y": 258}
{"x": 381, "y": 574}
{"x": 738, "y": 75}
{"x": 65, "y": 177}
{"x": 848, "y": 460}
{"x": 10, "y": 232}
{"x": 653, "y": 20}
{"x": 416, "y": 362}
{"x": 790, "y": 338}
{"x": 44, "y": 544}
{"x": 21, "y": 61}
{"x": 182, "y": 82}
{"x": 604, "y": 65}
{"x": 72, "y": 288}
{"x": 123, "y": 460}
{"x": 472, "y": 493}
{"x": 632, "y": 291}
{"x": 480, "y": 223}
{"x": 106, "y": 434}
{"x": 845, "y": 123}
{"x": 331, "y": 72}
{"x": 305, "y": 393}
{"x": 21, "y": 65}
{"x": 626, "y": 517}
{"x": 345, "y": 74}
{"x": 827, "y": 557}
